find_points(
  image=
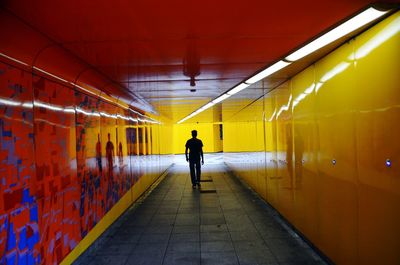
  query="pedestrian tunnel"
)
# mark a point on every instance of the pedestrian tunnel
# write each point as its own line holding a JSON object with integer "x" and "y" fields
{"x": 301, "y": 149}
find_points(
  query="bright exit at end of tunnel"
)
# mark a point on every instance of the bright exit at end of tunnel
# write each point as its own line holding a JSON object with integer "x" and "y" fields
{"x": 261, "y": 132}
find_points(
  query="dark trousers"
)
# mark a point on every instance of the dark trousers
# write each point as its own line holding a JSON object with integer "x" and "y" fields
{"x": 195, "y": 171}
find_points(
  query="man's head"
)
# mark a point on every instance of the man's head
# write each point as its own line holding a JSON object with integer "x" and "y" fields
{"x": 194, "y": 133}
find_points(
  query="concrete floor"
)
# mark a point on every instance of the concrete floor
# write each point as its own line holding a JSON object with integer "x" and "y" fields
{"x": 222, "y": 223}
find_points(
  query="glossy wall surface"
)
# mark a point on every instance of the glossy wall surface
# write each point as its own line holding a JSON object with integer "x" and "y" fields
{"x": 324, "y": 150}
{"x": 66, "y": 159}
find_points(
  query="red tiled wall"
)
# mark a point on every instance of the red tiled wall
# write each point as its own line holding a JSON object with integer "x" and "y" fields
{"x": 56, "y": 178}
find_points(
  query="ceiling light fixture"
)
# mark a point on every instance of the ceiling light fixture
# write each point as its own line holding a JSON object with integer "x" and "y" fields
{"x": 221, "y": 98}
{"x": 207, "y": 106}
{"x": 270, "y": 70}
{"x": 267, "y": 72}
{"x": 343, "y": 29}
{"x": 367, "y": 16}
{"x": 237, "y": 89}
{"x": 13, "y": 59}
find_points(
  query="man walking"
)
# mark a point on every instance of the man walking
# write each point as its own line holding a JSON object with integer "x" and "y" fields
{"x": 196, "y": 152}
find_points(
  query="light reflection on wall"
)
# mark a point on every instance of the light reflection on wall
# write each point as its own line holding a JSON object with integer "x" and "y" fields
{"x": 386, "y": 33}
{"x": 36, "y": 103}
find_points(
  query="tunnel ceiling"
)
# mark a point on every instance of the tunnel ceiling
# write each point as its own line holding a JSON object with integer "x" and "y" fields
{"x": 154, "y": 48}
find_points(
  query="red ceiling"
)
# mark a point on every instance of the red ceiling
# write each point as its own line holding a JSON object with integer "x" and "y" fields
{"x": 153, "y": 47}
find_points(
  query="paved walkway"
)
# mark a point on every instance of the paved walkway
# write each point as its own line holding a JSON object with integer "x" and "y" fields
{"x": 223, "y": 223}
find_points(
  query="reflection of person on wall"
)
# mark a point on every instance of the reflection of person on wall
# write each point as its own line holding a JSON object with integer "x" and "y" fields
{"x": 196, "y": 152}
{"x": 298, "y": 157}
{"x": 110, "y": 154}
{"x": 289, "y": 154}
{"x": 120, "y": 154}
{"x": 98, "y": 153}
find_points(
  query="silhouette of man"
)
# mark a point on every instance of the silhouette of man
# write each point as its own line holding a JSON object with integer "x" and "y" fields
{"x": 98, "y": 153}
{"x": 120, "y": 154}
{"x": 196, "y": 152}
{"x": 110, "y": 154}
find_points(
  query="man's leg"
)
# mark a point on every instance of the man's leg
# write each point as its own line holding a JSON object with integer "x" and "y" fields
{"x": 198, "y": 172}
{"x": 192, "y": 173}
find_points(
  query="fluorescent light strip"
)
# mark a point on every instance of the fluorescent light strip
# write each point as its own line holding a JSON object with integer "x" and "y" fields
{"x": 122, "y": 106}
{"x": 13, "y": 59}
{"x": 134, "y": 111}
{"x": 221, "y": 98}
{"x": 207, "y": 106}
{"x": 50, "y": 74}
{"x": 269, "y": 71}
{"x": 347, "y": 27}
{"x": 203, "y": 108}
{"x": 84, "y": 89}
{"x": 237, "y": 89}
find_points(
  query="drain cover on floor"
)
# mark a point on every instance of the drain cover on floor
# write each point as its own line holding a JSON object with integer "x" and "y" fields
{"x": 208, "y": 191}
{"x": 206, "y": 180}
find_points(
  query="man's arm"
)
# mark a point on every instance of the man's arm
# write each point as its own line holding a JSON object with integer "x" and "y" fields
{"x": 186, "y": 153}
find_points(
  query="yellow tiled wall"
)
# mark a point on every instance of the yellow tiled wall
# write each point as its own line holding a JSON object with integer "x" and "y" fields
{"x": 318, "y": 148}
{"x": 206, "y": 133}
